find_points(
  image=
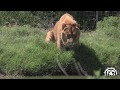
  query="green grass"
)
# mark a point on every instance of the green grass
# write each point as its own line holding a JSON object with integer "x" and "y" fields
{"x": 23, "y": 51}
{"x": 106, "y": 48}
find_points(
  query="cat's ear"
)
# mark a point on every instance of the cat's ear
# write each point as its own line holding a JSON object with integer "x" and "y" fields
{"x": 76, "y": 25}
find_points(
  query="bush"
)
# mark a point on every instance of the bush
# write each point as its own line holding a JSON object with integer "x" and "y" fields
{"x": 110, "y": 25}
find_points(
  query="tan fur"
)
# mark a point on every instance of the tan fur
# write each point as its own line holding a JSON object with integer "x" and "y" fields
{"x": 65, "y": 33}
{"x": 49, "y": 36}
{"x": 67, "y": 19}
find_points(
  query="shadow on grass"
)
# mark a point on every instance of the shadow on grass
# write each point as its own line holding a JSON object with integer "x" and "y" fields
{"x": 88, "y": 60}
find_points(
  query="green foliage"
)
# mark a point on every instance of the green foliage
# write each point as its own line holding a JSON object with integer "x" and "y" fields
{"x": 109, "y": 22}
{"x": 110, "y": 25}
{"x": 23, "y": 51}
{"x": 22, "y": 17}
{"x": 106, "y": 48}
{"x": 105, "y": 41}
{"x": 31, "y": 17}
{"x": 43, "y": 19}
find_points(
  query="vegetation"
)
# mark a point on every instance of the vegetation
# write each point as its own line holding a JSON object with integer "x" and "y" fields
{"x": 23, "y": 51}
{"x": 110, "y": 26}
{"x": 45, "y": 19}
{"x": 106, "y": 41}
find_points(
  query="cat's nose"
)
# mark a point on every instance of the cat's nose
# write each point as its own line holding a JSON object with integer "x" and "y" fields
{"x": 70, "y": 40}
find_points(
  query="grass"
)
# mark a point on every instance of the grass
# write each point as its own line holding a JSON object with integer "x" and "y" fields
{"x": 106, "y": 48}
{"x": 23, "y": 51}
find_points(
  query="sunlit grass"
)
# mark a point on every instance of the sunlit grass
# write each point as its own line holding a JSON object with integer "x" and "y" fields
{"x": 23, "y": 51}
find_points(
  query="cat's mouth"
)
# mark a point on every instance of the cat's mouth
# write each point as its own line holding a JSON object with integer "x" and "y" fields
{"x": 69, "y": 47}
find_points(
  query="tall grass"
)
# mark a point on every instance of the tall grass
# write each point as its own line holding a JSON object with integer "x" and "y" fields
{"x": 106, "y": 41}
{"x": 23, "y": 51}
